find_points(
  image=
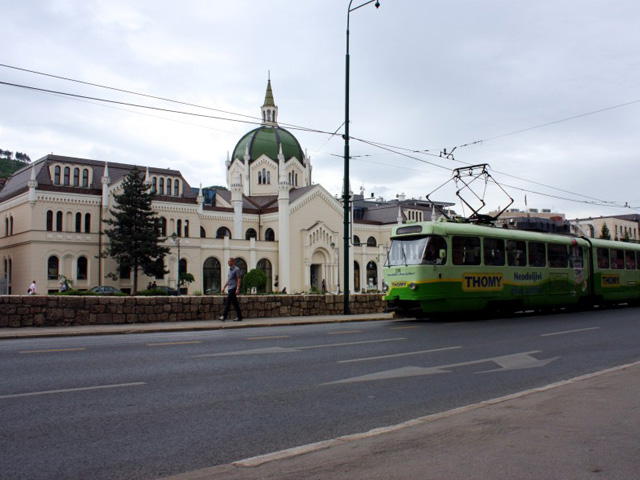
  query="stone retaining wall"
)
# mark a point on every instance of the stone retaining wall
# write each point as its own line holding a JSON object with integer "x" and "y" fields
{"x": 42, "y": 310}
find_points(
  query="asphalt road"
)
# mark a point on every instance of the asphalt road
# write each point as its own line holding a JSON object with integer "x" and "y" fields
{"x": 149, "y": 406}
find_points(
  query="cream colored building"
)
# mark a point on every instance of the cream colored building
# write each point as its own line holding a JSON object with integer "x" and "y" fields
{"x": 272, "y": 217}
{"x": 620, "y": 227}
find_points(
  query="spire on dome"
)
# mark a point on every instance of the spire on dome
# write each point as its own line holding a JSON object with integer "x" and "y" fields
{"x": 269, "y": 109}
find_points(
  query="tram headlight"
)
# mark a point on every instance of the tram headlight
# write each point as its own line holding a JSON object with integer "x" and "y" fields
{"x": 413, "y": 286}
{"x": 385, "y": 287}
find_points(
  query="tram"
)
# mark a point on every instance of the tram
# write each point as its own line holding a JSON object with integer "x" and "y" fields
{"x": 438, "y": 267}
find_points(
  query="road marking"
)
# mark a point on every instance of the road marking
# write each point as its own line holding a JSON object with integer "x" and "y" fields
{"x": 517, "y": 361}
{"x": 569, "y": 331}
{"x": 402, "y": 328}
{"x": 54, "y": 350}
{"x": 68, "y": 390}
{"x": 172, "y": 343}
{"x": 347, "y": 331}
{"x": 406, "y": 354}
{"x": 325, "y": 444}
{"x": 267, "y": 338}
{"x": 262, "y": 351}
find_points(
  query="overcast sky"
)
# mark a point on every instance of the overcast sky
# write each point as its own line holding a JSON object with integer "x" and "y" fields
{"x": 426, "y": 75}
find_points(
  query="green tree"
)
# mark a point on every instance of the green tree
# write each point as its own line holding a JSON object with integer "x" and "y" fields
{"x": 135, "y": 239}
{"x": 254, "y": 278}
{"x": 605, "y": 233}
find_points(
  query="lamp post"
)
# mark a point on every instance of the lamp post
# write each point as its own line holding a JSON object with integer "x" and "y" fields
{"x": 176, "y": 240}
{"x": 337, "y": 250}
{"x": 345, "y": 192}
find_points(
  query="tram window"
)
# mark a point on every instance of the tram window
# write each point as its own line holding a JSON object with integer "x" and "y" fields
{"x": 557, "y": 255}
{"x": 617, "y": 259}
{"x": 494, "y": 251}
{"x": 466, "y": 251}
{"x": 516, "y": 253}
{"x": 537, "y": 254}
{"x": 436, "y": 251}
{"x": 603, "y": 257}
{"x": 638, "y": 260}
{"x": 630, "y": 259}
{"x": 575, "y": 257}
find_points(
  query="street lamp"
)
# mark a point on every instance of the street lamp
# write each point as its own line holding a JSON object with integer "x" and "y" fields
{"x": 345, "y": 193}
{"x": 176, "y": 240}
{"x": 337, "y": 250}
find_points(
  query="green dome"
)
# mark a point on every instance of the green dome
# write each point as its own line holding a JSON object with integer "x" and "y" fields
{"x": 265, "y": 141}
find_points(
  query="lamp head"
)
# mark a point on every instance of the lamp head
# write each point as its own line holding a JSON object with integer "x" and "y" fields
{"x": 377, "y": 4}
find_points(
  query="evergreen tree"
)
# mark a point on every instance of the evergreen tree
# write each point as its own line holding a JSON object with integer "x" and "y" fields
{"x": 605, "y": 233}
{"x": 135, "y": 240}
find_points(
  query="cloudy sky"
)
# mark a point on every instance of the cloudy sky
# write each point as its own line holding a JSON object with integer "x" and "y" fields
{"x": 543, "y": 91}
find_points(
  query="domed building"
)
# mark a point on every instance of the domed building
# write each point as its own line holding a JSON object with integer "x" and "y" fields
{"x": 261, "y": 154}
{"x": 272, "y": 217}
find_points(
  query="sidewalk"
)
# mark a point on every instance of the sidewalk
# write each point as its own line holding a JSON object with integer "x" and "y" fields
{"x": 584, "y": 428}
{"x": 35, "y": 332}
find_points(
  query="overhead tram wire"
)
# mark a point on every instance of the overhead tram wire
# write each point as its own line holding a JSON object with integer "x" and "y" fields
{"x": 167, "y": 110}
{"x": 155, "y": 97}
{"x": 550, "y": 123}
{"x": 389, "y": 148}
{"x": 594, "y": 201}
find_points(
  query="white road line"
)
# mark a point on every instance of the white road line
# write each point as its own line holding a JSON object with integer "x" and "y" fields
{"x": 569, "y": 331}
{"x": 406, "y": 354}
{"x": 67, "y": 390}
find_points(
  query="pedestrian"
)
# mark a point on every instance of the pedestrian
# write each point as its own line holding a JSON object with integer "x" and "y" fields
{"x": 154, "y": 285}
{"x": 32, "y": 288}
{"x": 149, "y": 286}
{"x": 324, "y": 286}
{"x": 233, "y": 283}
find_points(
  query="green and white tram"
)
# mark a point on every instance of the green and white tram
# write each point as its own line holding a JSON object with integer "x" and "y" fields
{"x": 439, "y": 267}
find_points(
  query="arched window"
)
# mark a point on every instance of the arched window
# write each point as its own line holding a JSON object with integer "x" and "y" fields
{"x": 223, "y": 232}
{"x": 265, "y": 266}
{"x": 269, "y": 235}
{"x": 56, "y": 175}
{"x": 58, "y": 221}
{"x": 203, "y": 233}
{"x": 251, "y": 233}
{"x": 372, "y": 275}
{"x": 52, "y": 268}
{"x": 11, "y": 225}
{"x": 159, "y": 269}
{"x": 168, "y": 186}
{"x": 78, "y": 222}
{"x": 264, "y": 176}
{"x": 76, "y": 177}
{"x": 49, "y": 221}
{"x": 6, "y": 227}
{"x": 182, "y": 267}
{"x": 87, "y": 223}
{"x": 179, "y": 228}
{"x": 268, "y": 178}
{"x": 163, "y": 226}
{"x": 371, "y": 242}
{"x": 356, "y": 276}
{"x": 85, "y": 177}
{"x": 176, "y": 188}
{"x": 186, "y": 228}
{"x": 259, "y": 178}
{"x": 241, "y": 264}
{"x": 211, "y": 274}
{"x": 161, "y": 186}
{"x": 67, "y": 173}
{"x": 356, "y": 241}
{"x": 154, "y": 185}
{"x": 82, "y": 268}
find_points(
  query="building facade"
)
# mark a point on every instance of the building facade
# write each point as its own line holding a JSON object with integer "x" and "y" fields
{"x": 271, "y": 217}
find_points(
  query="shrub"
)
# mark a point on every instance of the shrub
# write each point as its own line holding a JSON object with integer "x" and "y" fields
{"x": 254, "y": 279}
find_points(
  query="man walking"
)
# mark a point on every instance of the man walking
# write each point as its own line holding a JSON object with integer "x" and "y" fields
{"x": 233, "y": 283}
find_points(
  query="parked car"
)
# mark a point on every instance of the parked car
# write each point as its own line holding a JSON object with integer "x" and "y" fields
{"x": 167, "y": 290}
{"x": 105, "y": 290}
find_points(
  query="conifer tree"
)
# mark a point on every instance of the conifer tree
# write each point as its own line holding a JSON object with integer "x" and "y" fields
{"x": 605, "y": 233}
{"x": 135, "y": 239}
